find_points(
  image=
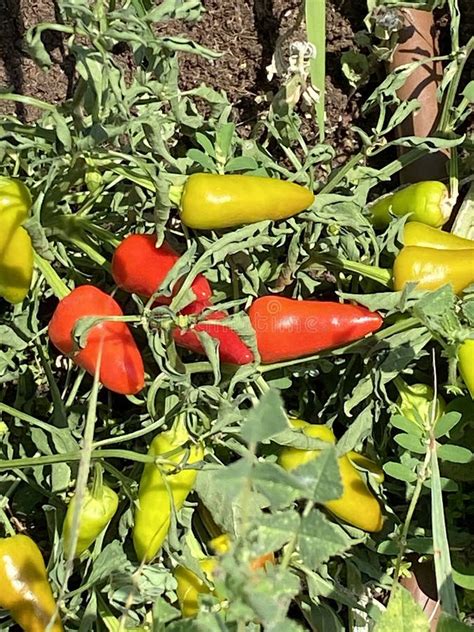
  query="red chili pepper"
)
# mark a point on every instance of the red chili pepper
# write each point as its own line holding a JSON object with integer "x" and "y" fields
{"x": 232, "y": 350}
{"x": 287, "y": 328}
{"x": 121, "y": 368}
{"x": 139, "y": 267}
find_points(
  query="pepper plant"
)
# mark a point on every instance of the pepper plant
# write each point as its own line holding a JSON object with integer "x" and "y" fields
{"x": 203, "y": 443}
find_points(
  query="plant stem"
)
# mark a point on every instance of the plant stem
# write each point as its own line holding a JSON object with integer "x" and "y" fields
{"x": 51, "y": 277}
{"x": 10, "y": 531}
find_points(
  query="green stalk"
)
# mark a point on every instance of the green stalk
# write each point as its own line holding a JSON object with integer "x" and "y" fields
{"x": 315, "y": 17}
{"x": 381, "y": 275}
{"x": 51, "y": 277}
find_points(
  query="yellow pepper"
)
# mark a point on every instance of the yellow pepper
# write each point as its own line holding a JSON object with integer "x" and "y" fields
{"x": 24, "y": 588}
{"x": 357, "y": 505}
{"x": 159, "y": 491}
{"x": 190, "y": 586}
{"x": 16, "y": 251}
{"x": 211, "y": 201}
{"x": 431, "y": 268}
{"x": 416, "y": 234}
{"x": 426, "y": 202}
{"x": 466, "y": 364}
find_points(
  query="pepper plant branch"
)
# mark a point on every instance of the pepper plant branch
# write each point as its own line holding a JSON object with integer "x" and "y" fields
{"x": 51, "y": 277}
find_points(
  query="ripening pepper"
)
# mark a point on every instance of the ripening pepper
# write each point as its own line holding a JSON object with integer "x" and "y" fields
{"x": 97, "y": 509}
{"x": 16, "y": 251}
{"x": 190, "y": 586}
{"x": 24, "y": 588}
{"x": 466, "y": 364}
{"x": 140, "y": 267}
{"x": 222, "y": 543}
{"x": 426, "y": 202}
{"x": 155, "y": 505}
{"x": 232, "y": 349}
{"x": 357, "y": 505}
{"x": 121, "y": 368}
{"x": 287, "y": 328}
{"x": 210, "y": 201}
{"x": 431, "y": 268}
{"x": 416, "y": 234}
{"x": 416, "y": 402}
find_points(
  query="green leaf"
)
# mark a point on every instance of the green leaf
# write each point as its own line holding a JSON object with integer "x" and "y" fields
{"x": 403, "y": 614}
{"x": 442, "y": 559}
{"x": 400, "y": 472}
{"x": 454, "y": 453}
{"x": 408, "y": 426}
{"x": 447, "y": 623}
{"x": 320, "y": 477}
{"x": 446, "y": 423}
{"x": 275, "y": 530}
{"x": 266, "y": 419}
{"x": 319, "y": 539}
{"x": 410, "y": 442}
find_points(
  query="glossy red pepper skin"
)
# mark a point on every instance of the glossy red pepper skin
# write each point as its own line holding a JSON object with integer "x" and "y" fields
{"x": 287, "y": 328}
{"x": 121, "y": 367}
{"x": 232, "y": 349}
{"x": 139, "y": 267}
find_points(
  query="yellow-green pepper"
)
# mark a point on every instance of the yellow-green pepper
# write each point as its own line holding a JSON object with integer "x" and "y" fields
{"x": 416, "y": 234}
{"x": 160, "y": 490}
{"x": 97, "y": 510}
{"x": 16, "y": 252}
{"x": 212, "y": 201}
{"x": 426, "y": 202}
{"x": 466, "y": 364}
{"x": 24, "y": 588}
{"x": 431, "y": 268}
{"x": 357, "y": 505}
{"x": 416, "y": 402}
{"x": 190, "y": 586}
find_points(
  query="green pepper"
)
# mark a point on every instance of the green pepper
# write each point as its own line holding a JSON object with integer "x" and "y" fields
{"x": 16, "y": 251}
{"x": 426, "y": 202}
{"x": 212, "y": 201}
{"x": 466, "y": 364}
{"x": 416, "y": 402}
{"x": 24, "y": 588}
{"x": 357, "y": 505}
{"x": 163, "y": 487}
{"x": 97, "y": 510}
{"x": 416, "y": 234}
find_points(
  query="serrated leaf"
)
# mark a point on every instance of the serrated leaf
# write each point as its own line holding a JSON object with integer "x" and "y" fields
{"x": 275, "y": 530}
{"x": 403, "y": 614}
{"x": 319, "y": 539}
{"x": 446, "y": 423}
{"x": 320, "y": 477}
{"x": 279, "y": 487}
{"x": 410, "y": 442}
{"x": 454, "y": 453}
{"x": 399, "y": 471}
{"x": 266, "y": 419}
{"x": 408, "y": 426}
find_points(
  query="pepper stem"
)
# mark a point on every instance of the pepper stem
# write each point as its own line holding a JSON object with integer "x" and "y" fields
{"x": 175, "y": 194}
{"x": 381, "y": 275}
{"x": 52, "y": 278}
{"x": 98, "y": 482}
{"x": 9, "y": 530}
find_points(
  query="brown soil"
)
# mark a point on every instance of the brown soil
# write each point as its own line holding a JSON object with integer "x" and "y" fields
{"x": 244, "y": 31}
